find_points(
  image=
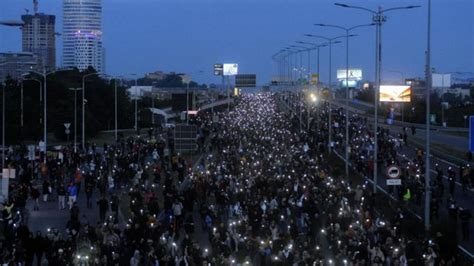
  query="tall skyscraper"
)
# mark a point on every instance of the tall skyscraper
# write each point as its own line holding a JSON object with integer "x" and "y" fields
{"x": 82, "y": 34}
{"x": 38, "y": 37}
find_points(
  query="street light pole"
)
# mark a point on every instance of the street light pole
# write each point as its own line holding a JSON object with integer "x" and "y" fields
{"x": 21, "y": 106}
{"x": 84, "y": 108}
{"x": 378, "y": 18}
{"x": 45, "y": 114}
{"x": 330, "y": 41}
{"x": 115, "y": 111}
{"x": 347, "y": 30}
{"x": 75, "y": 116}
{"x": 187, "y": 102}
{"x": 75, "y": 120}
{"x": 153, "y": 107}
{"x": 428, "y": 137}
{"x": 309, "y": 64}
{"x": 84, "y": 112}
{"x": 136, "y": 106}
{"x": 330, "y": 99}
{"x": 45, "y": 75}
{"x": 3, "y": 129}
{"x": 316, "y": 47}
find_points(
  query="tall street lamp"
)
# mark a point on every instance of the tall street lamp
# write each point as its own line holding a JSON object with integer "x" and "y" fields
{"x": 45, "y": 75}
{"x": 291, "y": 63}
{"x": 428, "y": 137}
{"x": 3, "y": 132}
{"x": 75, "y": 116}
{"x": 378, "y": 17}
{"x": 330, "y": 41}
{"x": 287, "y": 59}
{"x": 280, "y": 59}
{"x": 347, "y": 30}
{"x": 84, "y": 108}
{"x": 300, "y": 69}
{"x": 136, "y": 102}
{"x": 115, "y": 110}
{"x": 300, "y": 52}
{"x": 316, "y": 47}
{"x": 84, "y": 102}
{"x": 308, "y": 50}
{"x": 279, "y": 65}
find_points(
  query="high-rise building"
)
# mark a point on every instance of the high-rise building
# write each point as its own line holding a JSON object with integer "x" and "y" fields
{"x": 82, "y": 34}
{"x": 38, "y": 37}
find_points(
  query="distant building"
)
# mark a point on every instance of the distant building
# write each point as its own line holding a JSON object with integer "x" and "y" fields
{"x": 458, "y": 91}
{"x": 15, "y": 64}
{"x": 441, "y": 83}
{"x": 38, "y": 37}
{"x": 160, "y": 75}
{"x": 82, "y": 34}
{"x": 157, "y": 75}
{"x": 139, "y": 91}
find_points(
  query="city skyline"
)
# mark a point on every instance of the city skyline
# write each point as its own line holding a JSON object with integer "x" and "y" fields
{"x": 190, "y": 42}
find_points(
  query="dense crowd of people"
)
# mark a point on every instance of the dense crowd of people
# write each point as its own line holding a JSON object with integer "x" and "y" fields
{"x": 412, "y": 188}
{"x": 263, "y": 192}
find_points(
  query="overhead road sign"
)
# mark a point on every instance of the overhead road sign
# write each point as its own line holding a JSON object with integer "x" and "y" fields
{"x": 218, "y": 69}
{"x": 246, "y": 81}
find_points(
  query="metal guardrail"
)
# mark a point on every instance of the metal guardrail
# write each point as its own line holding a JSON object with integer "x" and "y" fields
{"x": 407, "y": 124}
{"x": 382, "y": 121}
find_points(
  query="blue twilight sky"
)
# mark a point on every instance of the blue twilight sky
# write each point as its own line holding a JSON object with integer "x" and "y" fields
{"x": 191, "y": 35}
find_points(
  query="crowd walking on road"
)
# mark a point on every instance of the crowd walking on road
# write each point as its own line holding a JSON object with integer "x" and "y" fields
{"x": 262, "y": 192}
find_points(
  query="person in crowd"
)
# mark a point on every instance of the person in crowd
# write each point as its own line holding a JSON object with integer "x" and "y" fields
{"x": 72, "y": 194}
{"x": 103, "y": 204}
{"x": 35, "y": 194}
{"x": 61, "y": 197}
{"x": 46, "y": 190}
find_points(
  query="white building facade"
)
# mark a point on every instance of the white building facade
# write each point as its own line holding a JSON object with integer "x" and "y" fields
{"x": 82, "y": 34}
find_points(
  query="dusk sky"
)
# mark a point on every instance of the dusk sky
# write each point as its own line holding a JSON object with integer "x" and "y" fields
{"x": 189, "y": 36}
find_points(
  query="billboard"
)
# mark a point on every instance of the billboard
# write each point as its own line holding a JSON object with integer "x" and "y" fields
{"x": 441, "y": 80}
{"x": 395, "y": 93}
{"x": 231, "y": 69}
{"x": 218, "y": 69}
{"x": 354, "y": 74}
{"x": 246, "y": 81}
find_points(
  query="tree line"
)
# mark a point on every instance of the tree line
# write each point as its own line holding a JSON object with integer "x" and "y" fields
{"x": 99, "y": 107}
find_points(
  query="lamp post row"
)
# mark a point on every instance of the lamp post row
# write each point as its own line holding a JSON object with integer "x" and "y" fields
{"x": 378, "y": 18}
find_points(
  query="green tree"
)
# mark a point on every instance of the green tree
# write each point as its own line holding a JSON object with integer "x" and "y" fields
{"x": 99, "y": 111}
